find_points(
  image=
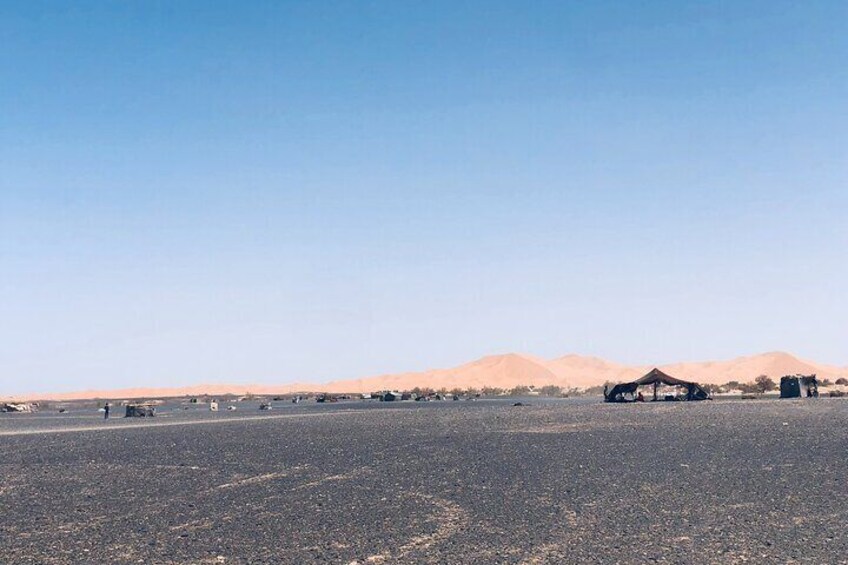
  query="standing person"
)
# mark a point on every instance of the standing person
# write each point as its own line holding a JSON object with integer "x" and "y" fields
{"x": 106, "y": 411}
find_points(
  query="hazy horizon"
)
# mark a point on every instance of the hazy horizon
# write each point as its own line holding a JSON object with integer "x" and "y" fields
{"x": 284, "y": 192}
{"x": 716, "y": 376}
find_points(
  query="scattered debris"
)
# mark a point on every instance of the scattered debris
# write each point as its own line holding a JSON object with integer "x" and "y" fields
{"x": 265, "y": 406}
{"x": 141, "y": 410}
{"x": 25, "y": 408}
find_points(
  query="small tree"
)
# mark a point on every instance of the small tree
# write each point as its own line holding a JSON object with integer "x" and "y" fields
{"x": 520, "y": 390}
{"x": 748, "y": 388}
{"x": 764, "y": 384}
{"x": 842, "y": 381}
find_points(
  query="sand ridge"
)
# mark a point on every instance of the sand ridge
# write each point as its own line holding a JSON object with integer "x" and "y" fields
{"x": 502, "y": 371}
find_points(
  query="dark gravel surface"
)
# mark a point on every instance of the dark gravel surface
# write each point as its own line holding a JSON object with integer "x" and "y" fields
{"x": 454, "y": 482}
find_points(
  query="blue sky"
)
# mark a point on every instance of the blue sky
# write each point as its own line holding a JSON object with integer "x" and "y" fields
{"x": 270, "y": 191}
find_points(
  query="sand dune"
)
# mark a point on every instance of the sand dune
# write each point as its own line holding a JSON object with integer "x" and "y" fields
{"x": 742, "y": 369}
{"x": 505, "y": 371}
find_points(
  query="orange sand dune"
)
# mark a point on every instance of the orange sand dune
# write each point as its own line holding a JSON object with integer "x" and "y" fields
{"x": 743, "y": 369}
{"x": 575, "y": 371}
{"x": 504, "y": 371}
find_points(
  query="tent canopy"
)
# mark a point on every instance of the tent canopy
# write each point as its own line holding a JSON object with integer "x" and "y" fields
{"x": 655, "y": 377}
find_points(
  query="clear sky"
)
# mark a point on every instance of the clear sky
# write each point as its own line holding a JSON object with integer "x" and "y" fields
{"x": 279, "y": 191}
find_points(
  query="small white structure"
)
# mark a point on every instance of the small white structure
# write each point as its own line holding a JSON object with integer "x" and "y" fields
{"x": 213, "y": 406}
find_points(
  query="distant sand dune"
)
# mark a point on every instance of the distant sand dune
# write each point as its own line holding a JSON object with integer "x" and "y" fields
{"x": 503, "y": 371}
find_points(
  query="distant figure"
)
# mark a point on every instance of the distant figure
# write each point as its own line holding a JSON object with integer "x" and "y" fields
{"x": 106, "y": 411}
{"x": 640, "y": 398}
{"x": 606, "y": 394}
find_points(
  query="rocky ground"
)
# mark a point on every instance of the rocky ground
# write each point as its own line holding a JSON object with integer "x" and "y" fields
{"x": 573, "y": 481}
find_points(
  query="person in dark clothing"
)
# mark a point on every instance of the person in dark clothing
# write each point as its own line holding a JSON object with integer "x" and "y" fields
{"x": 106, "y": 411}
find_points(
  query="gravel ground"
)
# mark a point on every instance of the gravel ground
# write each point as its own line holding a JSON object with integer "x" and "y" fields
{"x": 453, "y": 482}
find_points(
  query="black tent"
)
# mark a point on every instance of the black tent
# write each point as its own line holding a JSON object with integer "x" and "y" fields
{"x": 791, "y": 386}
{"x": 654, "y": 378}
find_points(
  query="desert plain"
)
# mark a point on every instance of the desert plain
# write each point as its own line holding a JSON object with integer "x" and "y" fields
{"x": 553, "y": 481}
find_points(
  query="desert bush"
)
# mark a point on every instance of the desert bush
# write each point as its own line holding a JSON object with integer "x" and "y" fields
{"x": 748, "y": 388}
{"x": 842, "y": 381}
{"x": 550, "y": 390}
{"x": 763, "y": 384}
